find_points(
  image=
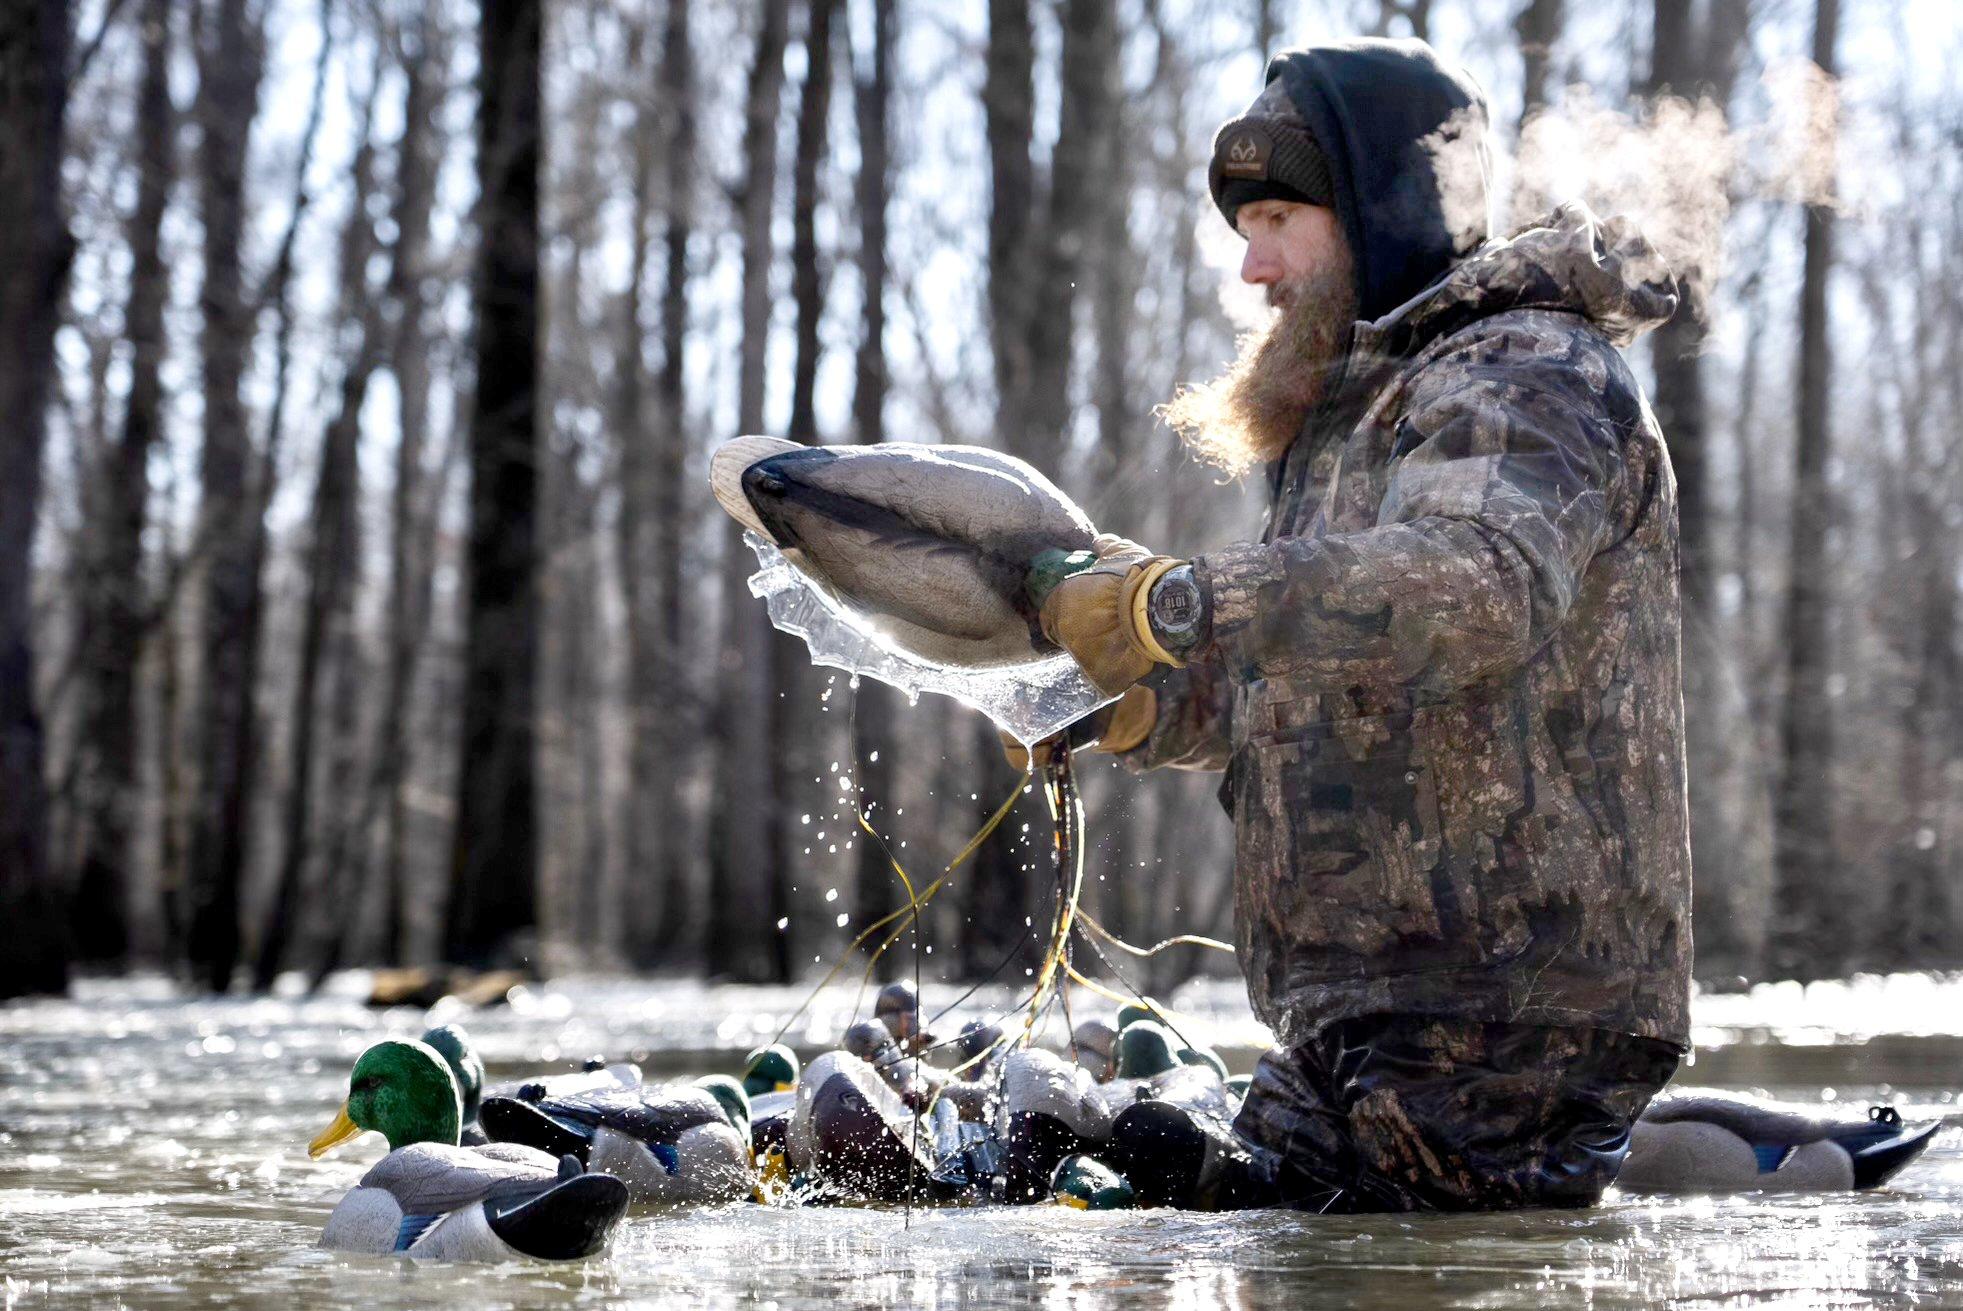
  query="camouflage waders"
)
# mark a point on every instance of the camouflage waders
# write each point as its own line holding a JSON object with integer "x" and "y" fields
{"x": 1397, "y": 1113}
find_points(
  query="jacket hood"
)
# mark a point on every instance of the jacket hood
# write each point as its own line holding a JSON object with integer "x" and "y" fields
{"x": 1404, "y": 133}
{"x": 1601, "y": 269}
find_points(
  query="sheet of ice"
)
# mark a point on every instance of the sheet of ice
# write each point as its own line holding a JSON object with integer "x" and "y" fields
{"x": 1028, "y": 701}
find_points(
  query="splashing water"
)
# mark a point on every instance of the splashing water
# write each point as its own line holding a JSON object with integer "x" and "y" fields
{"x": 1027, "y": 701}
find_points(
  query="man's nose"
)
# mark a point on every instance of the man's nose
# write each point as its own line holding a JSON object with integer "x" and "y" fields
{"x": 1257, "y": 267}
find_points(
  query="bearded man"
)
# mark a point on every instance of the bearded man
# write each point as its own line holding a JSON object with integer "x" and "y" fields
{"x": 1444, "y": 685}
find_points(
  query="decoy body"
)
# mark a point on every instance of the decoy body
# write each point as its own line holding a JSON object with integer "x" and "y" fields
{"x": 933, "y": 543}
{"x": 670, "y": 1143}
{"x": 1050, "y": 1108}
{"x": 467, "y": 1067}
{"x": 1706, "y": 1144}
{"x": 854, "y": 1135}
{"x": 433, "y": 1199}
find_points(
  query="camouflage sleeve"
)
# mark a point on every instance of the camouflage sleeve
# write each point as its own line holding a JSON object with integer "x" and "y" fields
{"x": 1508, "y": 482}
{"x": 1195, "y": 713}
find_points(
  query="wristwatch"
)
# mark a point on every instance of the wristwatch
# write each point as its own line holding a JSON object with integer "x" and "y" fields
{"x": 1177, "y": 611}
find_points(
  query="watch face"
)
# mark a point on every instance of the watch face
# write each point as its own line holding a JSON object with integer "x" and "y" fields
{"x": 1176, "y": 604}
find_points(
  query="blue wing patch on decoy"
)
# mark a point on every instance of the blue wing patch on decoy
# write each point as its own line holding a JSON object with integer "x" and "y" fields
{"x": 671, "y": 1160}
{"x": 1772, "y": 1155}
{"x": 412, "y": 1228}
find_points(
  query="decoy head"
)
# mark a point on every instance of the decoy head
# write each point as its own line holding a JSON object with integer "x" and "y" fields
{"x": 870, "y": 1042}
{"x": 401, "y": 1090}
{"x": 1095, "y": 1042}
{"x": 1088, "y": 1184}
{"x": 770, "y": 1069}
{"x": 898, "y": 1008}
{"x": 453, "y": 1045}
{"x": 981, "y": 1043}
{"x": 1204, "y": 1056}
{"x": 726, "y": 469}
{"x": 1145, "y": 1049}
{"x": 730, "y": 1096}
{"x": 1142, "y": 1009}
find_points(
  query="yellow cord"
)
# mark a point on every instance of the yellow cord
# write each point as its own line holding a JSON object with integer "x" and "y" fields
{"x": 1182, "y": 940}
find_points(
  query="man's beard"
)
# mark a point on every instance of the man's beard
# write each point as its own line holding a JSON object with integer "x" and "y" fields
{"x": 1251, "y": 413}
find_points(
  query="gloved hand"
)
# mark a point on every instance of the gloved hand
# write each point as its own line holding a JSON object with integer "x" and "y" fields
{"x": 1114, "y": 729}
{"x": 1098, "y": 614}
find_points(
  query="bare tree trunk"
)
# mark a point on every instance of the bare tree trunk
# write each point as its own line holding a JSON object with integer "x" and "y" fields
{"x": 1009, "y": 105}
{"x": 748, "y": 853}
{"x": 876, "y": 708}
{"x": 994, "y": 903}
{"x": 113, "y": 620}
{"x": 640, "y": 570}
{"x": 1802, "y": 936}
{"x": 807, "y": 279}
{"x": 494, "y": 865}
{"x": 229, "y": 518}
{"x": 1538, "y": 27}
{"x": 1264, "y": 28}
{"x": 34, "y": 263}
{"x": 331, "y": 559}
{"x": 1914, "y": 926}
{"x": 661, "y": 690}
{"x": 411, "y": 570}
{"x": 1685, "y": 62}
{"x": 804, "y": 738}
{"x": 1689, "y": 63}
{"x": 1079, "y": 175}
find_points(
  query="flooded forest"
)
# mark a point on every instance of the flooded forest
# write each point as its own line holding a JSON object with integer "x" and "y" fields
{"x": 362, "y": 602}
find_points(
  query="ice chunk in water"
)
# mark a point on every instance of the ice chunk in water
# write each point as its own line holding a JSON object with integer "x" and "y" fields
{"x": 1027, "y": 701}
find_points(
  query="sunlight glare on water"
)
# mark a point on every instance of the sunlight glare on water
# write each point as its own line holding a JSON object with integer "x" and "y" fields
{"x": 153, "y": 1154}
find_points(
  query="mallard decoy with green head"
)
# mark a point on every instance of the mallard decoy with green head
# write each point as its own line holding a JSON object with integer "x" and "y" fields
{"x": 772, "y": 1069}
{"x": 433, "y": 1199}
{"x": 1088, "y": 1184}
{"x": 734, "y": 1101}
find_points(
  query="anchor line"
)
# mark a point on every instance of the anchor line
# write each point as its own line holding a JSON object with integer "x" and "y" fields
{"x": 1068, "y": 921}
{"x": 1178, "y": 940}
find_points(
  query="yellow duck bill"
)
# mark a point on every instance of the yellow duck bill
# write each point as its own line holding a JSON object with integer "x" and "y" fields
{"x": 334, "y": 1134}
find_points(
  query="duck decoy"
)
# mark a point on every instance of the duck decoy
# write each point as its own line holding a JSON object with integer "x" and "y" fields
{"x": 932, "y": 543}
{"x": 670, "y": 1143}
{"x": 433, "y": 1199}
{"x": 1712, "y": 1144}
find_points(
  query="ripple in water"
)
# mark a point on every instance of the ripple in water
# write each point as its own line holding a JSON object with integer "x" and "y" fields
{"x": 153, "y": 1154}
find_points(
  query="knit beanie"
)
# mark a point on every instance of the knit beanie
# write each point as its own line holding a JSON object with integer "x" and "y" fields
{"x": 1268, "y": 154}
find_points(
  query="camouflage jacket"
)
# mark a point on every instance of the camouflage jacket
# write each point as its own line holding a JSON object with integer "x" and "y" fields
{"x": 1446, "y": 684}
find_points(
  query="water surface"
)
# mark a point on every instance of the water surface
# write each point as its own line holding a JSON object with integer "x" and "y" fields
{"x": 153, "y": 1154}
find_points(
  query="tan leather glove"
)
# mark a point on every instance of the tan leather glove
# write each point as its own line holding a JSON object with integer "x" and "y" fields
{"x": 1099, "y": 615}
{"x": 1113, "y": 730}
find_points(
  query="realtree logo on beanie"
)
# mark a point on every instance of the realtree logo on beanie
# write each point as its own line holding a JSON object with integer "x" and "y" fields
{"x": 1267, "y": 156}
{"x": 1246, "y": 156}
